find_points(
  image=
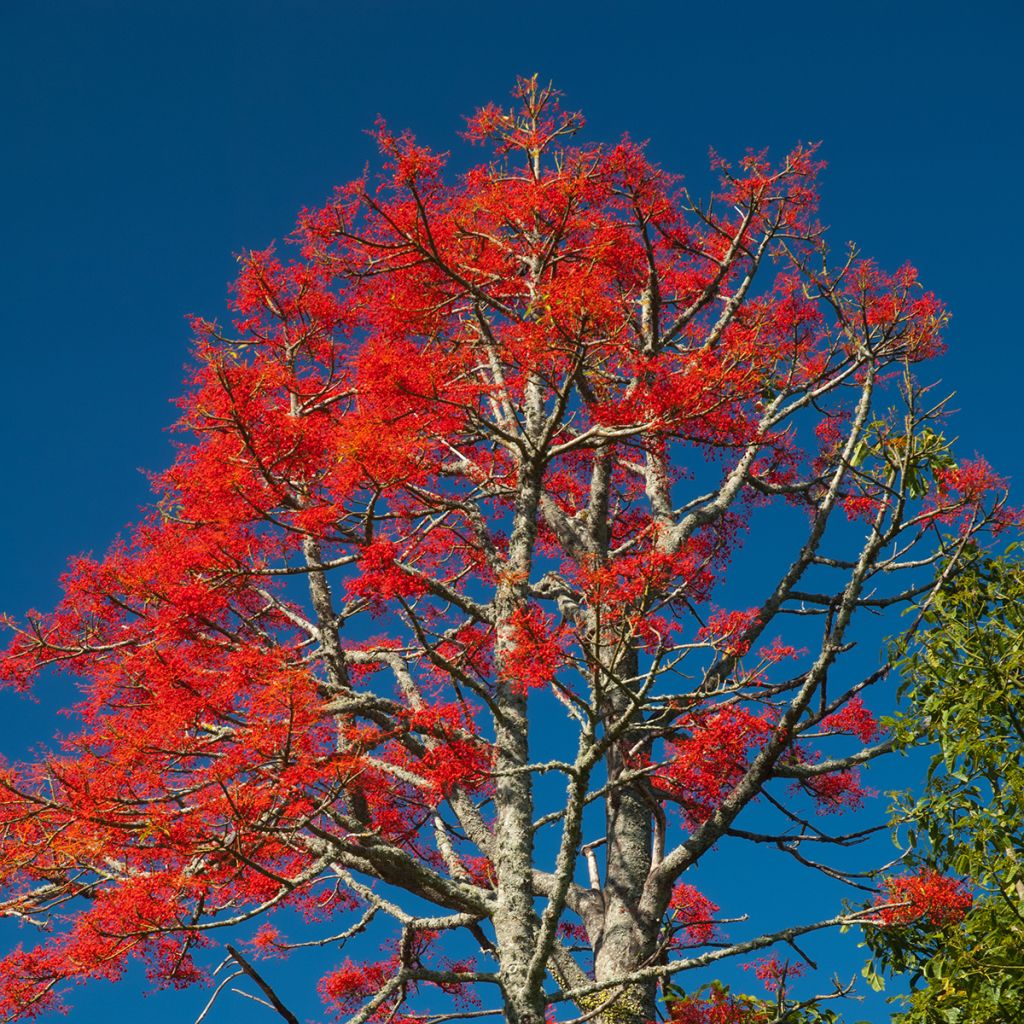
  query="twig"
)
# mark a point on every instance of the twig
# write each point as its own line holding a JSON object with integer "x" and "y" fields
{"x": 271, "y": 995}
{"x": 216, "y": 992}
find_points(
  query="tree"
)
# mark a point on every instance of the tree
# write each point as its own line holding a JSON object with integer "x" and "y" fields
{"x": 458, "y": 512}
{"x": 964, "y": 675}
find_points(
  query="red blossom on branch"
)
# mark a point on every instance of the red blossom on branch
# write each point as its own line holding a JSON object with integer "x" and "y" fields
{"x": 693, "y": 915}
{"x": 854, "y": 718}
{"x": 928, "y": 896}
{"x": 773, "y": 972}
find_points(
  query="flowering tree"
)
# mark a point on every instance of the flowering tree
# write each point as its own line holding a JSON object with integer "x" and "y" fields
{"x": 440, "y": 617}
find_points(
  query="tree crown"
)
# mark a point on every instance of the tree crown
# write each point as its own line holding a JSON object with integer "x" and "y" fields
{"x": 457, "y": 510}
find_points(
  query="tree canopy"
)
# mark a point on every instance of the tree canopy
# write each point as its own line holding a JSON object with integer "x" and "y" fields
{"x": 440, "y": 627}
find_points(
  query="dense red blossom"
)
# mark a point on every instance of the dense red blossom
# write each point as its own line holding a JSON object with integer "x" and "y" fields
{"x": 854, "y": 718}
{"x": 838, "y": 791}
{"x": 381, "y": 579}
{"x": 719, "y": 1007}
{"x": 728, "y": 630}
{"x": 928, "y": 896}
{"x": 693, "y": 915}
{"x": 345, "y": 988}
{"x": 705, "y": 765}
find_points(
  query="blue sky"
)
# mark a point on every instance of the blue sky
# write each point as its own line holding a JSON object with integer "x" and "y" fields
{"x": 147, "y": 143}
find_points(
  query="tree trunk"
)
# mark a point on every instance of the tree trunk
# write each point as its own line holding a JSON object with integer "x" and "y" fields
{"x": 627, "y": 940}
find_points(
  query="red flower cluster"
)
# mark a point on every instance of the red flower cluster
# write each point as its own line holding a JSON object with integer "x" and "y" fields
{"x": 928, "y": 896}
{"x": 854, "y": 718}
{"x": 693, "y": 915}
{"x": 719, "y": 1007}
{"x": 726, "y": 631}
{"x": 536, "y": 651}
{"x": 381, "y": 579}
{"x": 836, "y": 792}
{"x": 708, "y": 763}
{"x": 963, "y": 491}
{"x": 345, "y": 989}
{"x": 773, "y": 972}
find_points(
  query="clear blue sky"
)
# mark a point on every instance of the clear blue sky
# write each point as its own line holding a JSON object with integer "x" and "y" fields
{"x": 147, "y": 142}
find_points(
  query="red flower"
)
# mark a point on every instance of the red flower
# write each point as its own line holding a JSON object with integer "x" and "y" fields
{"x": 693, "y": 914}
{"x": 929, "y": 896}
{"x": 853, "y": 717}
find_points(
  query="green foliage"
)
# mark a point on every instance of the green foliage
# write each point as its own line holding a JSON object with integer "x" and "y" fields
{"x": 917, "y": 456}
{"x": 964, "y": 692}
